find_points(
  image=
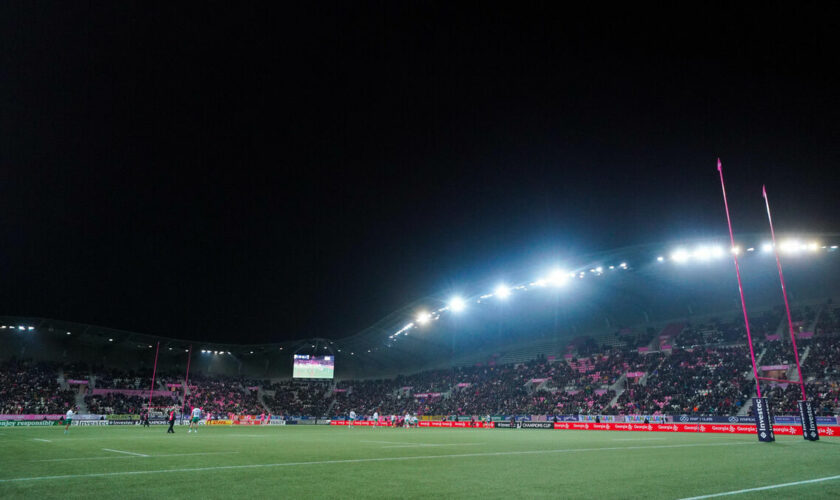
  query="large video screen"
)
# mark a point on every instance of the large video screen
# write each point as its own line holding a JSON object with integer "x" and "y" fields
{"x": 307, "y": 366}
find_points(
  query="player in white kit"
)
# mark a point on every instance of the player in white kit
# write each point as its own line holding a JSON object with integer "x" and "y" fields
{"x": 376, "y": 419}
{"x": 68, "y": 419}
{"x": 352, "y": 418}
{"x": 196, "y": 416}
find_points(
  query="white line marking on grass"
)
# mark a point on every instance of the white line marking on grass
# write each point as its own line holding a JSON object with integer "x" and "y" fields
{"x": 126, "y": 452}
{"x": 363, "y": 460}
{"x": 430, "y": 445}
{"x": 42, "y": 440}
{"x": 640, "y": 439}
{"x": 135, "y": 457}
{"x": 762, "y": 488}
{"x": 385, "y": 442}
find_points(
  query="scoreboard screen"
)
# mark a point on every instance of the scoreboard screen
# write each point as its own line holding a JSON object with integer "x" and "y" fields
{"x": 306, "y": 366}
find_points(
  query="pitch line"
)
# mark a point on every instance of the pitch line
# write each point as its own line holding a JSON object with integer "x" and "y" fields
{"x": 430, "y": 445}
{"x": 763, "y": 488}
{"x": 42, "y": 440}
{"x": 126, "y": 452}
{"x": 384, "y": 442}
{"x": 75, "y": 459}
{"x": 363, "y": 460}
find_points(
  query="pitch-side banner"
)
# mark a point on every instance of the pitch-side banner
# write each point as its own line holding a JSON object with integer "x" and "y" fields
{"x": 786, "y": 430}
{"x": 28, "y": 423}
{"x": 219, "y": 422}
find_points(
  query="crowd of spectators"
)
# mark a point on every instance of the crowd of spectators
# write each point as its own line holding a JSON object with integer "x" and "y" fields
{"x": 120, "y": 379}
{"x": 705, "y": 370}
{"x": 29, "y": 387}
{"x": 121, "y": 404}
{"x": 701, "y": 380}
{"x": 299, "y": 397}
{"x": 225, "y": 395}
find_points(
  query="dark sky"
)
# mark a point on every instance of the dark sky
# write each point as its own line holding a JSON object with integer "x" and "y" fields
{"x": 243, "y": 172}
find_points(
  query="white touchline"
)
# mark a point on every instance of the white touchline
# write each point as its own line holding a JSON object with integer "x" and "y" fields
{"x": 126, "y": 452}
{"x": 362, "y": 460}
{"x": 76, "y": 459}
{"x": 640, "y": 439}
{"x": 762, "y": 488}
{"x": 42, "y": 440}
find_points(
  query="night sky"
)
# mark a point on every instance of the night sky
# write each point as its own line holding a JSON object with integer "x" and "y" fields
{"x": 242, "y": 172}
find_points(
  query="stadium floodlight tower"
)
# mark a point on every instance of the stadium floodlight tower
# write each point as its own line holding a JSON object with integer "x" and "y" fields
{"x": 763, "y": 425}
{"x": 806, "y": 412}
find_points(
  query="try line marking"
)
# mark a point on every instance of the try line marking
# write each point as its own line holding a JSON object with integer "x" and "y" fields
{"x": 363, "y": 460}
{"x": 126, "y": 452}
{"x": 762, "y": 488}
{"x": 42, "y": 440}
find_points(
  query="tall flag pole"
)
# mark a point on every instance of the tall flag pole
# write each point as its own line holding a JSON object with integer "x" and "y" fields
{"x": 154, "y": 371}
{"x": 807, "y": 416}
{"x": 738, "y": 274}
{"x": 763, "y": 425}
{"x": 784, "y": 293}
{"x": 187, "y": 380}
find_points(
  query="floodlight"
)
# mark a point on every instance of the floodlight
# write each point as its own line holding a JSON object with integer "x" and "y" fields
{"x": 680, "y": 256}
{"x": 31, "y": 328}
{"x": 813, "y": 246}
{"x": 766, "y": 247}
{"x": 702, "y": 253}
{"x": 717, "y": 252}
{"x": 660, "y": 259}
{"x": 502, "y": 292}
{"x": 21, "y": 328}
{"x": 736, "y": 250}
{"x": 599, "y": 269}
{"x": 110, "y": 340}
{"x": 623, "y": 265}
{"x": 68, "y": 333}
{"x": 558, "y": 277}
{"x": 751, "y": 249}
{"x": 457, "y": 304}
{"x": 423, "y": 317}
{"x": 791, "y": 246}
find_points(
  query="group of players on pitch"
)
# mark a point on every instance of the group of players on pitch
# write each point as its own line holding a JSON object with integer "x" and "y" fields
{"x": 195, "y": 418}
{"x": 408, "y": 420}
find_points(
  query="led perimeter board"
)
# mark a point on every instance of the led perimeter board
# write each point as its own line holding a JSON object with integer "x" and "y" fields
{"x": 306, "y": 366}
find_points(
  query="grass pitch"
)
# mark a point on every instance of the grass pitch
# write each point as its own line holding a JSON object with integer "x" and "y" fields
{"x": 337, "y": 462}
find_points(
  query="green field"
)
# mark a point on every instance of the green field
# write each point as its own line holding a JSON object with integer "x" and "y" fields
{"x": 337, "y": 462}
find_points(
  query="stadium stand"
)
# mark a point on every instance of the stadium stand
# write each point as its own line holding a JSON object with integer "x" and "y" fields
{"x": 679, "y": 367}
{"x": 33, "y": 388}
